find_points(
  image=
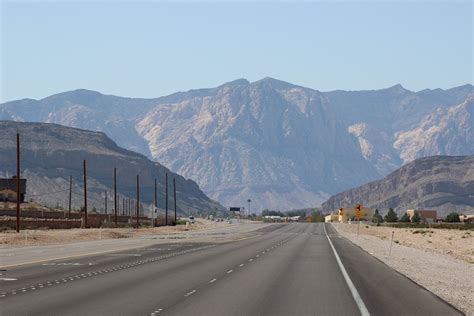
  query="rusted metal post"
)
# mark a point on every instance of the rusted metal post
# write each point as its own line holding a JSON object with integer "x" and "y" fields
{"x": 18, "y": 194}
{"x": 155, "y": 203}
{"x": 138, "y": 201}
{"x": 115, "y": 196}
{"x": 174, "y": 196}
{"x": 166, "y": 199}
{"x": 105, "y": 202}
{"x": 85, "y": 194}
{"x": 70, "y": 196}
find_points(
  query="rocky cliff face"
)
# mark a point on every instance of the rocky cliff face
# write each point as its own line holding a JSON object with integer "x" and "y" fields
{"x": 443, "y": 183}
{"x": 442, "y": 132}
{"x": 51, "y": 153}
{"x": 283, "y": 146}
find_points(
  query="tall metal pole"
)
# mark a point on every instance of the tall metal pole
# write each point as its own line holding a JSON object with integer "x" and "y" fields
{"x": 85, "y": 195}
{"x": 249, "y": 200}
{"x": 138, "y": 200}
{"x": 18, "y": 195}
{"x": 174, "y": 196}
{"x": 115, "y": 196}
{"x": 70, "y": 195}
{"x": 155, "y": 202}
{"x": 166, "y": 199}
{"x": 105, "y": 202}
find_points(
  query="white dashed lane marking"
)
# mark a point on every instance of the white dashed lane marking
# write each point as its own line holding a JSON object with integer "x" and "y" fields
{"x": 213, "y": 280}
{"x": 190, "y": 293}
{"x": 230, "y": 271}
{"x": 95, "y": 273}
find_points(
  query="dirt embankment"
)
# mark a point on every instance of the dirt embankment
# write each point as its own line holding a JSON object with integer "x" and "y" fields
{"x": 456, "y": 243}
{"x": 63, "y": 236}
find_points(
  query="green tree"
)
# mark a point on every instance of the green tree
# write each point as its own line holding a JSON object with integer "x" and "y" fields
{"x": 377, "y": 218}
{"x": 405, "y": 218}
{"x": 391, "y": 216}
{"x": 453, "y": 218}
{"x": 316, "y": 217}
{"x": 416, "y": 218}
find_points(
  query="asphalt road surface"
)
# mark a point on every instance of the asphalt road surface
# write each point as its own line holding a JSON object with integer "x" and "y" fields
{"x": 287, "y": 269}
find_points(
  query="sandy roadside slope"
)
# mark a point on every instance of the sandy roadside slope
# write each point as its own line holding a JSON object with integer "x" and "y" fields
{"x": 63, "y": 236}
{"x": 442, "y": 265}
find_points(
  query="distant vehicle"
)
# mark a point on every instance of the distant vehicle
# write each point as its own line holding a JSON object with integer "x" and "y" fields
{"x": 191, "y": 219}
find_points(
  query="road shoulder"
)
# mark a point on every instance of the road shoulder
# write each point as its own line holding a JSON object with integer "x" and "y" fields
{"x": 442, "y": 275}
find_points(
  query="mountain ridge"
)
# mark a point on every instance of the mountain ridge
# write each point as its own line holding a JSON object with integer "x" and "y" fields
{"x": 443, "y": 183}
{"x": 51, "y": 153}
{"x": 282, "y": 145}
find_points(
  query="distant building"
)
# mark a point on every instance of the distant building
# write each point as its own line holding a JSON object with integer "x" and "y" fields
{"x": 348, "y": 213}
{"x": 331, "y": 218}
{"x": 273, "y": 218}
{"x": 8, "y": 190}
{"x": 466, "y": 218}
{"x": 426, "y": 216}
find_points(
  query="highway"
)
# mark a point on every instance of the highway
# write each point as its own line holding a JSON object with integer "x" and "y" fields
{"x": 282, "y": 269}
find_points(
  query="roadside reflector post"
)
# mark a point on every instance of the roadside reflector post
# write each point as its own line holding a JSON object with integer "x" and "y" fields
{"x": 358, "y": 224}
{"x": 391, "y": 242}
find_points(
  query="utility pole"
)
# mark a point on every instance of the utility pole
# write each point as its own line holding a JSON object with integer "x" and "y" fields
{"x": 166, "y": 199}
{"x": 105, "y": 202}
{"x": 85, "y": 195}
{"x": 123, "y": 206}
{"x": 249, "y": 200}
{"x": 155, "y": 203}
{"x": 18, "y": 195}
{"x": 115, "y": 196}
{"x": 138, "y": 201}
{"x": 174, "y": 195}
{"x": 70, "y": 195}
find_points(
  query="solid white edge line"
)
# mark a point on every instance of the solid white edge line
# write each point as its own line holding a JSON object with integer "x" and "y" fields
{"x": 355, "y": 294}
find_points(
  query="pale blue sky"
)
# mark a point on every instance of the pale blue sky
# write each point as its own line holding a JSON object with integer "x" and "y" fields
{"x": 153, "y": 48}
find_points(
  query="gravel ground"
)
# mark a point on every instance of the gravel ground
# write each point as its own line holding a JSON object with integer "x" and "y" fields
{"x": 63, "y": 236}
{"x": 443, "y": 274}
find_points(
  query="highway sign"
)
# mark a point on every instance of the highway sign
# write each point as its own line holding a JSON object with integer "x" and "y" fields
{"x": 358, "y": 211}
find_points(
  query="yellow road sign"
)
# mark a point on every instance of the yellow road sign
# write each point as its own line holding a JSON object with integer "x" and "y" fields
{"x": 358, "y": 211}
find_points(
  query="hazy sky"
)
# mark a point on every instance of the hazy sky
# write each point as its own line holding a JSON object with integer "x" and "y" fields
{"x": 153, "y": 48}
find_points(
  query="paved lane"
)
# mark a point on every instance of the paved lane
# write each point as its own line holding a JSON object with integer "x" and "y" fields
{"x": 290, "y": 270}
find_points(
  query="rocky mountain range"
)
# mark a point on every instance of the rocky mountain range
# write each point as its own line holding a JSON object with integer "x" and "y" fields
{"x": 443, "y": 183}
{"x": 51, "y": 153}
{"x": 282, "y": 145}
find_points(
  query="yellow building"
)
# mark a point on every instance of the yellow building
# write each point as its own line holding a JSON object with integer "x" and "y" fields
{"x": 426, "y": 216}
{"x": 347, "y": 213}
{"x": 331, "y": 218}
